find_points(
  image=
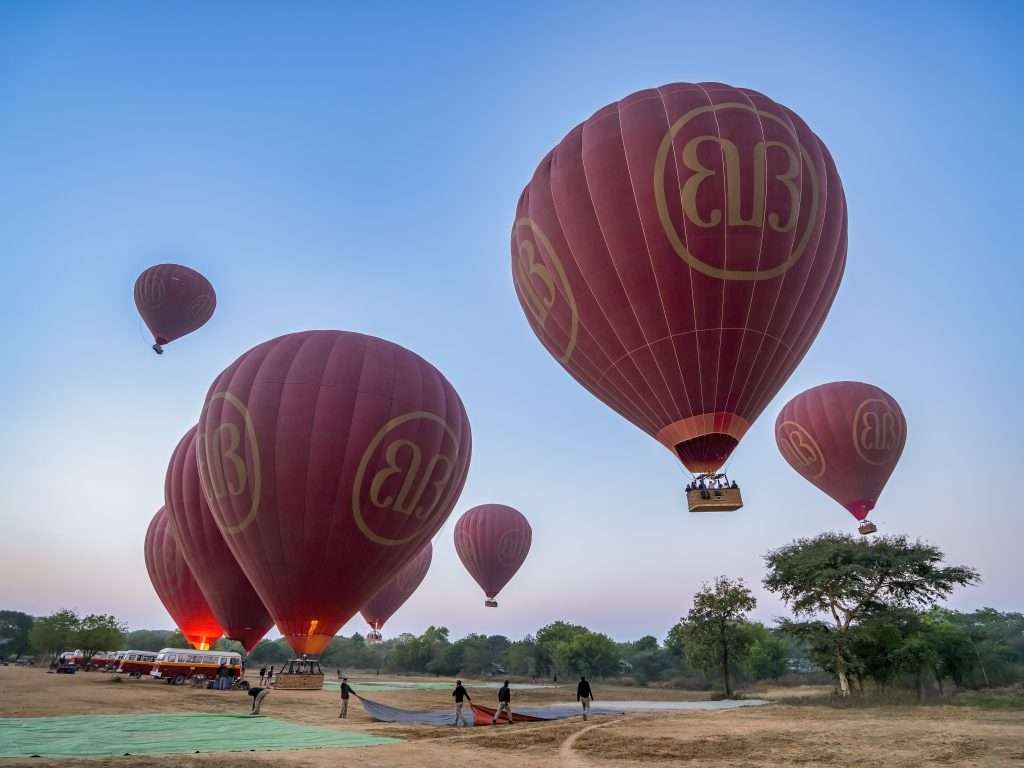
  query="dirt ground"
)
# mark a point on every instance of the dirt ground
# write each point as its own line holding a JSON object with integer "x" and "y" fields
{"x": 774, "y": 735}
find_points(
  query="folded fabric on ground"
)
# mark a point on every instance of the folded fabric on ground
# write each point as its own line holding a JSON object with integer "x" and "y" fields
{"x": 480, "y": 715}
{"x": 474, "y": 713}
{"x": 108, "y": 735}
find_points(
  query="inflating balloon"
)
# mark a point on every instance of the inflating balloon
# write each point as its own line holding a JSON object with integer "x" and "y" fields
{"x": 329, "y": 459}
{"x": 176, "y": 587}
{"x": 845, "y": 438}
{"x": 677, "y": 253}
{"x": 173, "y": 301}
{"x": 234, "y": 602}
{"x": 399, "y": 588}
{"x": 492, "y": 541}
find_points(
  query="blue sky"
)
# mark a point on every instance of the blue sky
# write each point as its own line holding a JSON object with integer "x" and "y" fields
{"x": 359, "y": 169}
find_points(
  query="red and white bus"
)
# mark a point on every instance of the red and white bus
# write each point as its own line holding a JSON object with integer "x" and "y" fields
{"x": 77, "y": 658}
{"x": 135, "y": 663}
{"x": 176, "y": 665}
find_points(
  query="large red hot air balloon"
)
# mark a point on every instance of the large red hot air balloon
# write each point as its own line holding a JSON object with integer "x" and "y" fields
{"x": 175, "y": 585}
{"x": 329, "y": 459}
{"x": 677, "y": 253}
{"x": 234, "y": 602}
{"x": 398, "y": 589}
{"x": 173, "y": 301}
{"x": 845, "y": 438}
{"x": 492, "y": 541}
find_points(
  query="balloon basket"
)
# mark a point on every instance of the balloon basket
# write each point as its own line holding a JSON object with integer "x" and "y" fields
{"x": 867, "y": 527}
{"x": 490, "y": 603}
{"x": 158, "y": 349}
{"x": 713, "y": 493}
{"x": 374, "y": 636}
{"x": 300, "y": 675}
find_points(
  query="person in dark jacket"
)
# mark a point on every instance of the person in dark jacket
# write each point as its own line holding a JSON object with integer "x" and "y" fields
{"x": 263, "y": 674}
{"x": 346, "y": 689}
{"x": 258, "y": 695}
{"x": 459, "y": 694}
{"x": 504, "y": 704}
{"x": 584, "y": 695}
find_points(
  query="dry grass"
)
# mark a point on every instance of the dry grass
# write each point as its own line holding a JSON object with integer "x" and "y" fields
{"x": 812, "y": 736}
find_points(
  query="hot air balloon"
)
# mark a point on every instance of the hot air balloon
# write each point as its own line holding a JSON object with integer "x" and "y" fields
{"x": 329, "y": 459}
{"x": 173, "y": 301}
{"x": 396, "y": 591}
{"x": 175, "y": 585}
{"x": 234, "y": 602}
{"x": 845, "y": 438}
{"x": 492, "y": 541}
{"x": 677, "y": 253}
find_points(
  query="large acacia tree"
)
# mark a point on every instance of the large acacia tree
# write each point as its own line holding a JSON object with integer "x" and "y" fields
{"x": 846, "y": 578}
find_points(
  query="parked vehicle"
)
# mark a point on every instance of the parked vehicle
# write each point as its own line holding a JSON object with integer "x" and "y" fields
{"x": 135, "y": 663}
{"x": 176, "y": 665}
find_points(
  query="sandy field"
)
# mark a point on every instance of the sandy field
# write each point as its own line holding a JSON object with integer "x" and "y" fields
{"x": 774, "y": 735}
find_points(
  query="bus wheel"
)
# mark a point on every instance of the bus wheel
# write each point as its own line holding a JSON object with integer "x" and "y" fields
{"x": 179, "y": 680}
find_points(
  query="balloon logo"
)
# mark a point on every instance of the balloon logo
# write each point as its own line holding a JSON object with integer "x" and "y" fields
{"x": 229, "y": 468}
{"x": 877, "y": 431}
{"x": 542, "y": 278}
{"x": 800, "y": 449}
{"x": 409, "y": 484}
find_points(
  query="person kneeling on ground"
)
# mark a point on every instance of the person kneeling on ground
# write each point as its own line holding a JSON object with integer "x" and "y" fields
{"x": 584, "y": 695}
{"x": 258, "y": 695}
{"x": 504, "y": 704}
{"x": 346, "y": 689}
{"x": 459, "y": 694}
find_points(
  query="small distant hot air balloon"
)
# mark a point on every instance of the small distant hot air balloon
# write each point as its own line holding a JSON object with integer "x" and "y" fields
{"x": 173, "y": 301}
{"x": 399, "y": 588}
{"x": 176, "y": 587}
{"x": 845, "y": 438}
{"x": 492, "y": 541}
{"x": 329, "y": 459}
{"x": 234, "y": 602}
{"x": 677, "y": 253}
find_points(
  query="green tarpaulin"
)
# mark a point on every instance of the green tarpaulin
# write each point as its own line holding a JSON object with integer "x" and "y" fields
{"x": 87, "y": 735}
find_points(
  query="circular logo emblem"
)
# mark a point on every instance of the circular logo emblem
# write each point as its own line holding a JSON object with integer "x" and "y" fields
{"x": 801, "y": 450}
{"x": 540, "y": 281}
{"x": 151, "y": 291}
{"x": 510, "y": 547}
{"x": 406, "y": 478}
{"x": 877, "y": 431}
{"x": 773, "y": 167}
{"x": 228, "y": 456}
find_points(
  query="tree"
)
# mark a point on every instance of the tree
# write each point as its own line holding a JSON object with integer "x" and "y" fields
{"x": 148, "y": 640}
{"x": 591, "y": 653}
{"x": 55, "y": 633}
{"x": 99, "y": 632}
{"x": 553, "y": 643}
{"x": 713, "y": 631}
{"x": 843, "y": 577}
{"x": 768, "y": 653}
{"x": 15, "y": 627}
{"x": 270, "y": 652}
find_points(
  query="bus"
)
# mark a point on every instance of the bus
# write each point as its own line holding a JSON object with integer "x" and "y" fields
{"x": 135, "y": 663}
{"x": 176, "y": 665}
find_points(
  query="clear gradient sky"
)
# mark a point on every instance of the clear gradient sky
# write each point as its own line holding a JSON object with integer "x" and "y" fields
{"x": 359, "y": 169}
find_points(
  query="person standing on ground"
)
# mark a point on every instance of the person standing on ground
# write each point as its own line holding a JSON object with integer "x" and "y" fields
{"x": 263, "y": 674}
{"x": 258, "y": 695}
{"x": 346, "y": 689}
{"x": 504, "y": 704}
{"x": 218, "y": 682}
{"x": 270, "y": 677}
{"x": 459, "y": 694}
{"x": 584, "y": 695}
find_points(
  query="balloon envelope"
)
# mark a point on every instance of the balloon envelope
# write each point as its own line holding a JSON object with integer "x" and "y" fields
{"x": 329, "y": 459}
{"x": 492, "y": 541}
{"x": 174, "y": 301}
{"x": 845, "y": 438}
{"x": 175, "y": 585}
{"x": 234, "y": 602}
{"x": 677, "y": 253}
{"x": 398, "y": 589}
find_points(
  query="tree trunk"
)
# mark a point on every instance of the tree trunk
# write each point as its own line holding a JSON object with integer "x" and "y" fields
{"x": 725, "y": 670}
{"x": 938, "y": 680}
{"x": 844, "y": 679}
{"x": 981, "y": 663}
